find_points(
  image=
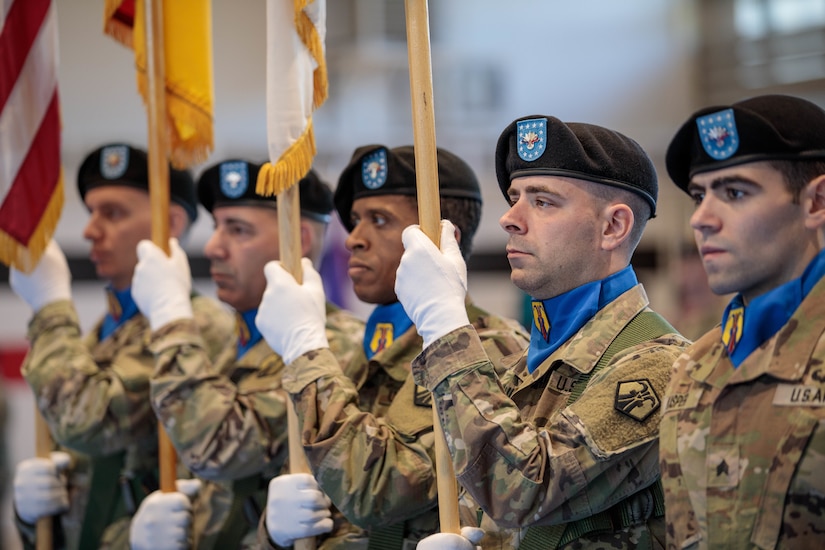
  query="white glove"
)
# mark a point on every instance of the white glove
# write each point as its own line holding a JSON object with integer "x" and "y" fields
{"x": 467, "y": 540}
{"x": 40, "y": 487}
{"x": 291, "y": 317}
{"x": 161, "y": 284}
{"x": 163, "y": 520}
{"x": 49, "y": 282}
{"x": 431, "y": 284}
{"x": 296, "y": 509}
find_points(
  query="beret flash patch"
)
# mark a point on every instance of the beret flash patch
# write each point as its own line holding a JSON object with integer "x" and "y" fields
{"x": 374, "y": 169}
{"x": 234, "y": 178}
{"x": 720, "y": 138}
{"x": 531, "y": 138}
{"x": 114, "y": 160}
{"x": 636, "y": 399}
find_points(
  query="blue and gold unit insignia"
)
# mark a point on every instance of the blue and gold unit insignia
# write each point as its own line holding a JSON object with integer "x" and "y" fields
{"x": 115, "y": 309}
{"x": 732, "y": 332}
{"x": 720, "y": 138}
{"x": 114, "y": 160}
{"x": 636, "y": 399}
{"x": 531, "y": 138}
{"x": 540, "y": 319}
{"x": 234, "y": 179}
{"x": 382, "y": 337}
{"x": 374, "y": 169}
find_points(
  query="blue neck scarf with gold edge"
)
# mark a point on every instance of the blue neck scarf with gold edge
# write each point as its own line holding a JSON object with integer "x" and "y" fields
{"x": 745, "y": 328}
{"x": 247, "y": 333}
{"x": 556, "y": 319}
{"x": 385, "y": 324}
{"x": 121, "y": 308}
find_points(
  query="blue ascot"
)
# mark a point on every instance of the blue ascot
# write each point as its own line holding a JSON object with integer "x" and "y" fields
{"x": 383, "y": 326}
{"x": 121, "y": 308}
{"x": 246, "y": 331}
{"x": 556, "y": 319}
{"x": 745, "y": 328}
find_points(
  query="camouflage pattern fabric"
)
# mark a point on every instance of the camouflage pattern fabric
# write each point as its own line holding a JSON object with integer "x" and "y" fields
{"x": 743, "y": 450}
{"x": 227, "y": 419}
{"x": 368, "y": 432}
{"x": 526, "y": 457}
{"x": 94, "y": 396}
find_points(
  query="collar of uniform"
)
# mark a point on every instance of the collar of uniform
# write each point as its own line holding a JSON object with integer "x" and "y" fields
{"x": 767, "y": 314}
{"x": 122, "y": 307}
{"x": 385, "y": 323}
{"x": 397, "y": 357}
{"x": 584, "y": 349}
{"x": 246, "y": 332}
{"x": 788, "y": 352}
{"x": 785, "y": 356}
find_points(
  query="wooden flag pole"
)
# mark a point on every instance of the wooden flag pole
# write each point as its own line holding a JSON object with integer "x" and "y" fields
{"x": 158, "y": 183}
{"x": 289, "y": 239}
{"x": 429, "y": 214}
{"x": 42, "y": 449}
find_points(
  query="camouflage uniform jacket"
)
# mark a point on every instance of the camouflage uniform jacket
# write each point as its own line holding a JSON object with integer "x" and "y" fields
{"x": 368, "y": 432}
{"x": 526, "y": 456}
{"x": 227, "y": 419}
{"x": 743, "y": 449}
{"x": 94, "y": 395}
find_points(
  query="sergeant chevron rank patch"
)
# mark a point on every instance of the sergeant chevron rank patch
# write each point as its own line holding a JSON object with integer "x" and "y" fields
{"x": 636, "y": 399}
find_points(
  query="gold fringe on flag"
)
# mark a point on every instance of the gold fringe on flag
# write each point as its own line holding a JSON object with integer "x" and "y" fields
{"x": 24, "y": 256}
{"x": 293, "y": 165}
{"x": 310, "y": 38}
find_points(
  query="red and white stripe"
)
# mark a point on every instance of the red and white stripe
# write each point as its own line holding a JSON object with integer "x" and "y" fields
{"x": 29, "y": 114}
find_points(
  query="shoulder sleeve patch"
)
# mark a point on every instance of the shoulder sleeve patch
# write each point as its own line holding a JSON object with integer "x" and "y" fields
{"x": 621, "y": 407}
{"x": 636, "y": 398}
{"x": 411, "y": 411}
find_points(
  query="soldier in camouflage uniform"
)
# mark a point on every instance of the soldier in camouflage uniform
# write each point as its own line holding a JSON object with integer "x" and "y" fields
{"x": 558, "y": 448}
{"x": 742, "y": 442}
{"x": 94, "y": 391}
{"x": 227, "y": 418}
{"x": 368, "y": 433}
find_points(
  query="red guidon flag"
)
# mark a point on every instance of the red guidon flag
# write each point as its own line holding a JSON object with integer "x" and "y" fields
{"x": 31, "y": 178}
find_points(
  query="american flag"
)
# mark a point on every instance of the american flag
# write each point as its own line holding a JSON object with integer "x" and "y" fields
{"x": 31, "y": 180}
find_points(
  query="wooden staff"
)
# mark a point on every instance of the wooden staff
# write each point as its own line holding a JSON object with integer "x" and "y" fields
{"x": 159, "y": 183}
{"x": 42, "y": 449}
{"x": 429, "y": 215}
{"x": 289, "y": 240}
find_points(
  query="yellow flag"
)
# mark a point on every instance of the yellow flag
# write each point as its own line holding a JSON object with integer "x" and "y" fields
{"x": 296, "y": 85}
{"x": 187, "y": 40}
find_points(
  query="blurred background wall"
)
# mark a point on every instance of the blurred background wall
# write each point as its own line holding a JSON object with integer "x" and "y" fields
{"x": 638, "y": 67}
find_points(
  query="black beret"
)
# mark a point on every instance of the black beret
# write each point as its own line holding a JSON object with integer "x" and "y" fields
{"x": 121, "y": 164}
{"x": 768, "y": 127}
{"x": 379, "y": 170}
{"x": 232, "y": 183}
{"x": 539, "y": 145}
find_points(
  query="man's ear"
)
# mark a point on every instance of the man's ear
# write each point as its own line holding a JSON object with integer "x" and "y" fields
{"x": 618, "y": 223}
{"x": 814, "y": 201}
{"x": 178, "y": 220}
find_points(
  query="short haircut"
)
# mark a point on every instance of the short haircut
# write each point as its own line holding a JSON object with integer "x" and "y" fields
{"x": 798, "y": 173}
